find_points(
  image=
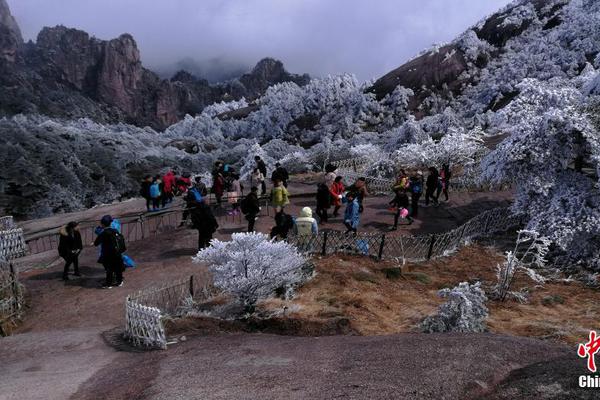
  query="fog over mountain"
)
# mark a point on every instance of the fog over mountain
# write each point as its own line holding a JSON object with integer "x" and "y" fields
{"x": 316, "y": 37}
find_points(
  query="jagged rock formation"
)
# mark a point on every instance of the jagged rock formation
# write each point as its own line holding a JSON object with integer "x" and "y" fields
{"x": 67, "y": 73}
{"x": 448, "y": 70}
{"x": 10, "y": 34}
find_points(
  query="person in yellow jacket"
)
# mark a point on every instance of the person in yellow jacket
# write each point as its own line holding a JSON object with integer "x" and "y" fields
{"x": 305, "y": 223}
{"x": 279, "y": 195}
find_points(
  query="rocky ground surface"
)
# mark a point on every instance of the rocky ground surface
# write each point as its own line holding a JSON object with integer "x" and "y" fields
{"x": 68, "y": 345}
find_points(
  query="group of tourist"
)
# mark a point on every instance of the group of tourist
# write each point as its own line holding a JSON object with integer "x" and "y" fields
{"x": 331, "y": 193}
{"x": 159, "y": 190}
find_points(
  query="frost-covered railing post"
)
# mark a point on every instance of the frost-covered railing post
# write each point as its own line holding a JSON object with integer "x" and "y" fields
{"x": 12, "y": 241}
{"x": 146, "y": 310}
{"x": 11, "y": 293}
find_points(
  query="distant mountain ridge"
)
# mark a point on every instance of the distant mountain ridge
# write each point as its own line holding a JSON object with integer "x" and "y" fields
{"x": 69, "y": 74}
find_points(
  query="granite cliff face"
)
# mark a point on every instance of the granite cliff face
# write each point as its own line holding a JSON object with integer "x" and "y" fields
{"x": 69, "y": 74}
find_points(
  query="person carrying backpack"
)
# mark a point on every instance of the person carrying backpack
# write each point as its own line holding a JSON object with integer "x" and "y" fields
{"x": 416, "y": 190}
{"x": 283, "y": 224}
{"x": 251, "y": 208}
{"x": 113, "y": 246}
{"x": 323, "y": 202}
{"x": 69, "y": 247}
{"x": 155, "y": 193}
{"x": 193, "y": 196}
{"x": 205, "y": 223}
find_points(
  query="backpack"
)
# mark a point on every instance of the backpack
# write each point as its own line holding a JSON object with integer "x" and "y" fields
{"x": 194, "y": 194}
{"x": 154, "y": 190}
{"x": 244, "y": 206}
{"x": 117, "y": 242}
{"x": 417, "y": 188}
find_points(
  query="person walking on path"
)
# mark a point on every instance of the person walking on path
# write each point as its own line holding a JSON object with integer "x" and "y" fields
{"x": 352, "y": 213}
{"x": 360, "y": 188}
{"x": 323, "y": 202}
{"x": 155, "y": 193}
{"x": 205, "y": 223}
{"x": 445, "y": 176}
{"x": 218, "y": 188}
{"x": 431, "y": 186}
{"x": 279, "y": 195}
{"x": 200, "y": 186}
{"x": 416, "y": 190}
{"x": 112, "y": 248}
{"x": 401, "y": 203}
{"x": 251, "y": 208}
{"x": 402, "y": 182}
{"x": 236, "y": 190}
{"x": 169, "y": 182}
{"x": 305, "y": 224}
{"x": 262, "y": 167}
{"x": 281, "y": 174}
{"x": 145, "y": 191}
{"x": 69, "y": 248}
{"x": 337, "y": 192}
{"x": 257, "y": 178}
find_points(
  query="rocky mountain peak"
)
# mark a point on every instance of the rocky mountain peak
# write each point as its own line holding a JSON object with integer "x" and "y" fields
{"x": 10, "y": 34}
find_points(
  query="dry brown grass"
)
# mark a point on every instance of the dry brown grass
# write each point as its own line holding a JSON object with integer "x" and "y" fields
{"x": 379, "y": 299}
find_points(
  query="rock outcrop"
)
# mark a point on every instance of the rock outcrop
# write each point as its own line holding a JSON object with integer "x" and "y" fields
{"x": 10, "y": 34}
{"x": 69, "y": 74}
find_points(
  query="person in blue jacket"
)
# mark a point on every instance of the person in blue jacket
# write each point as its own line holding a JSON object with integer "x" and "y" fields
{"x": 352, "y": 213}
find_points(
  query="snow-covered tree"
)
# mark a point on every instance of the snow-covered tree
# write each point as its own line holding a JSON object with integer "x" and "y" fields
{"x": 252, "y": 267}
{"x": 465, "y": 310}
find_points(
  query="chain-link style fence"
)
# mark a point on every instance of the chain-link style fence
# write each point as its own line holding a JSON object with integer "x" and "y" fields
{"x": 407, "y": 248}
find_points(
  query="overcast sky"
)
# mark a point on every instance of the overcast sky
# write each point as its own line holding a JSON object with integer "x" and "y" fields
{"x": 364, "y": 37}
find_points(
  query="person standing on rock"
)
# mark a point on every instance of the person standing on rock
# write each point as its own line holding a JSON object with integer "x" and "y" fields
{"x": 69, "y": 247}
{"x": 431, "y": 186}
{"x": 205, "y": 223}
{"x": 145, "y": 191}
{"x": 113, "y": 246}
{"x": 251, "y": 208}
{"x": 260, "y": 164}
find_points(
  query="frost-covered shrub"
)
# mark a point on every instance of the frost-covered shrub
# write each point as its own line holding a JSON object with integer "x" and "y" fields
{"x": 297, "y": 162}
{"x": 530, "y": 252}
{"x": 384, "y": 168}
{"x": 249, "y": 163}
{"x": 252, "y": 267}
{"x": 369, "y": 152}
{"x": 465, "y": 310}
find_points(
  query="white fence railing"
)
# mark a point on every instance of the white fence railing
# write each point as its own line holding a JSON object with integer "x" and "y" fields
{"x": 12, "y": 240}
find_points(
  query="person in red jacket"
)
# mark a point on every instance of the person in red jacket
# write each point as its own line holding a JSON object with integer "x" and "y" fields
{"x": 168, "y": 187}
{"x": 337, "y": 192}
{"x": 183, "y": 183}
{"x": 218, "y": 187}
